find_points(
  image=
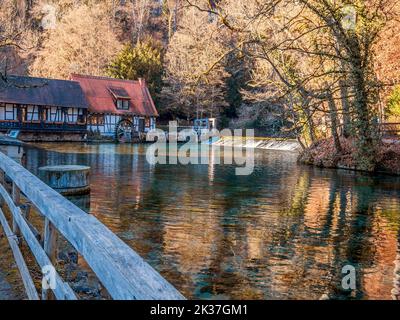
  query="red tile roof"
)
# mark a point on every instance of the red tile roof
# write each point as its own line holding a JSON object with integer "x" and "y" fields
{"x": 119, "y": 93}
{"x": 101, "y": 100}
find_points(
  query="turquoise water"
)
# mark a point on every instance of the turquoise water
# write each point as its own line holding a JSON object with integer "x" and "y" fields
{"x": 284, "y": 232}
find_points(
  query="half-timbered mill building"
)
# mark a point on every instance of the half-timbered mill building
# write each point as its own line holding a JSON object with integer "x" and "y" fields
{"x": 120, "y": 109}
{"x": 43, "y": 109}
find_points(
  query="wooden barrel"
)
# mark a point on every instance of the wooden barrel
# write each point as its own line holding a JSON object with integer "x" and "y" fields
{"x": 67, "y": 179}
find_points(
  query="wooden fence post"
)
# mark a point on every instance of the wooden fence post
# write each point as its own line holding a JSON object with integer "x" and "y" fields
{"x": 50, "y": 247}
{"x": 16, "y": 196}
{"x": 2, "y": 182}
{"x": 26, "y": 211}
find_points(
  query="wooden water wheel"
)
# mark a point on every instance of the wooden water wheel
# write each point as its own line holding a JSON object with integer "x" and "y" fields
{"x": 124, "y": 131}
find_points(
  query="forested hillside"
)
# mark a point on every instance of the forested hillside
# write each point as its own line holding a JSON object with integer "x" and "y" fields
{"x": 287, "y": 68}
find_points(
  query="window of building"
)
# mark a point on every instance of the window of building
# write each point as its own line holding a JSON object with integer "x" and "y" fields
{"x": 75, "y": 115}
{"x": 53, "y": 114}
{"x": 123, "y": 104}
{"x": 96, "y": 120}
{"x": 59, "y": 114}
{"x": 2, "y": 112}
{"x": 31, "y": 114}
{"x": 11, "y": 112}
{"x": 121, "y": 97}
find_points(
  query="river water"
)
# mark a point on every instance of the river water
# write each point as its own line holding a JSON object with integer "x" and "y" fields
{"x": 284, "y": 232}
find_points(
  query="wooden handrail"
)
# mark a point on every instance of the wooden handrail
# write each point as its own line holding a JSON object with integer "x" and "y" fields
{"x": 62, "y": 291}
{"x": 26, "y": 278}
{"x": 120, "y": 269}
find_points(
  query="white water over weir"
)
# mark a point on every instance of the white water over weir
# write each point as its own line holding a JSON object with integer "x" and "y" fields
{"x": 259, "y": 143}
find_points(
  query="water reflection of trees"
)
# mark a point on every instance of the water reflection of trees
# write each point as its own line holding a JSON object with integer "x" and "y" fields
{"x": 284, "y": 232}
{"x": 348, "y": 229}
{"x": 342, "y": 233}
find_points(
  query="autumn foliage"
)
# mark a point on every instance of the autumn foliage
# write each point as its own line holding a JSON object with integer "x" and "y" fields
{"x": 323, "y": 154}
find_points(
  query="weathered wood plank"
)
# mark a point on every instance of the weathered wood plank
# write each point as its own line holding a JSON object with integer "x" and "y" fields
{"x": 50, "y": 240}
{"x": 120, "y": 269}
{"x": 19, "y": 259}
{"x": 50, "y": 247}
{"x": 16, "y": 196}
{"x": 2, "y": 181}
{"x": 62, "y": 291}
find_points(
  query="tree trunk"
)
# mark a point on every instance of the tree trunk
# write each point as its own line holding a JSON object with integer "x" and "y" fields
{"x": 363, "y": 121}
{"x": 170, "y": 25}
{"x": 344, "y": 93}
{"x": 310, "y": 124}
{"x": 334, "y": 122}
{"x": 172, "y": 19}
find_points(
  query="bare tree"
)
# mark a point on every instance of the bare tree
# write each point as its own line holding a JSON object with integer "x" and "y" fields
{"x": 192, "y": 86}
{"x": 82, "y": 42}
{"x": 17, "y": 40}
{"x": 140, "y": 18}
{"x": 319, "y": 51}
{"x": 173, "y": 8}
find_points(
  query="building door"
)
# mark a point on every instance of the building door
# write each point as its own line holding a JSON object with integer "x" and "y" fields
{"x": 141, "y": 125}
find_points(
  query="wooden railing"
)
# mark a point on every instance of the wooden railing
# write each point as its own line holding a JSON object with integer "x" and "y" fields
{"x": 43, "y": 126}
{"x": 121, "y": 270}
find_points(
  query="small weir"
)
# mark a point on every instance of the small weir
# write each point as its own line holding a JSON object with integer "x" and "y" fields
{"x": 123, "y": 273}
{"x": 259, "y": 143}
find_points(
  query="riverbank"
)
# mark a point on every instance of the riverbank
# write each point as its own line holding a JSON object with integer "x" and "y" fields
{"x": 323, "y": 154}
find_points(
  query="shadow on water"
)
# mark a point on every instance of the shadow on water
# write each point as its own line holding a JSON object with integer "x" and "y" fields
{"x": 285, "y": 232}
